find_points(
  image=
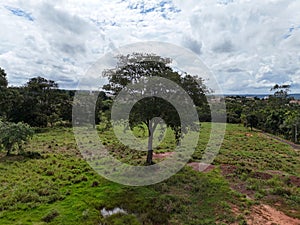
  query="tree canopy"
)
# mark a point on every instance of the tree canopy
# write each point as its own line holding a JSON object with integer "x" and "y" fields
{"x": 38, "y": 103}
{"x": 281, "y": 91}
{"x": 132, "y": 74}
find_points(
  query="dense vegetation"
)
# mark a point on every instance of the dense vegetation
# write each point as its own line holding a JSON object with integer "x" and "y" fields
{"x": 40, "y": 103}
{"x": 279, "y": 114}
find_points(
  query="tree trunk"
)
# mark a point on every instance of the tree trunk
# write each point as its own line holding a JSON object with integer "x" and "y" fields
{"x": 152, "y": 124}
{"x": 150, "y": 150}
{"x": 9, "y": 148}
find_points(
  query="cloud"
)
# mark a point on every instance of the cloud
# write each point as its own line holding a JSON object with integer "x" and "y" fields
{"x": 226, "y": 46}
{"x": 249, "y": 35}
{"x": 234, "y": 70}
{"x": 248, "y": 45}
{"x": 192, "y": 44}
{"x": 61, "y": 20}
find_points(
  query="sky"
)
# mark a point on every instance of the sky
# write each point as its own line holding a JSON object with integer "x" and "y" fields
{"x": 250, "y": 45}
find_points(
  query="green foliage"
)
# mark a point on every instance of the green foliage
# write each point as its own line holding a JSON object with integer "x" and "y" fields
{"x": 40, "y": 84}
{"x": 136, "y": 69}
{"x": 103, "y": 107}
{"x": 38, "y": 104}
{"x": 14, "y": 135}
{"x": 5, "y": 103}
{"x": 10, "y": 99}
{"x": 275, "y": 115}
{"x": 291, "y": 125}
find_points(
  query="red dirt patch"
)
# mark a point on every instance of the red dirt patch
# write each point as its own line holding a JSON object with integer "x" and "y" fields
{"x": 228, "y": 169}
{"x": 162, "y": 155}
{"x": 261, "y": 175}
{"x": 294, "y": 180}
{"x": 242, "y": 188}
{"x": 264, "y": 214}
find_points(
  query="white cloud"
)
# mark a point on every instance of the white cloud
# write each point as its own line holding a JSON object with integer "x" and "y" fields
{"x": 250, "y": 36}
{"x": 249, "y": 45}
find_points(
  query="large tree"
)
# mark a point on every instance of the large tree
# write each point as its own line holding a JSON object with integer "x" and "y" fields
{"x": 40, "y": 100}
{"x": 42, "y": 103}
{"x": 132, "y": 74}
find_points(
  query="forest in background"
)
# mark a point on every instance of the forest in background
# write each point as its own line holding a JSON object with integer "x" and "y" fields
{"x": 41, "y": 103}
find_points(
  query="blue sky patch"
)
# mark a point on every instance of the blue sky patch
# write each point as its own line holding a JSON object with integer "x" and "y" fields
{"x": 20, "y": 12}
{"x": 163, "y": 7}
{"x": 290, "y": 32}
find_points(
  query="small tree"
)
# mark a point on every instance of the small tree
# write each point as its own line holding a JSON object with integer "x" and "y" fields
{"x": 14, "y": 135}
{"x": 280, "y": 96}
{"x": 251, "y": 120}
{"x": 281, "y": 91}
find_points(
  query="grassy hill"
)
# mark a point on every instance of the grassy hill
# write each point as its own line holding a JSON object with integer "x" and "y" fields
{"x": 54, "y": 185}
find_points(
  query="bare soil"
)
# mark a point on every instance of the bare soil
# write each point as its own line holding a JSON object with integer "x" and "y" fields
{"x": 162, "y": 155}
{"x": 265, "y": 214}
{"x": 201, "y": 167}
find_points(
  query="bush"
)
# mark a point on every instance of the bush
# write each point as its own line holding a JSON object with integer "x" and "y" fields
{"x": 14, "y": 135}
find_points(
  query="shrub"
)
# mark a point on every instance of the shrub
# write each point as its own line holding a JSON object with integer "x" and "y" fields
{"x": 14, "y": 135}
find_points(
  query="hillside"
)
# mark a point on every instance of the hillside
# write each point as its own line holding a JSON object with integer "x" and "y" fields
{"x": 54, "y": 185}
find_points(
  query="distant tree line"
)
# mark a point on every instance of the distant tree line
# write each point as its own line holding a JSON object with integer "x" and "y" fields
{"x": 40, "y": 103}
{"x": 278, "y": 114}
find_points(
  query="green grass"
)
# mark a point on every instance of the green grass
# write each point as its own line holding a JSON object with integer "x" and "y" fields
{"x": 264, "y": 166}
{"x": 59, "y": 187}
{"x": 253, "y": 150}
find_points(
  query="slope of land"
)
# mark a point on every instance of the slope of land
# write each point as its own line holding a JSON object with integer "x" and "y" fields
{"x": 54, "y": 185}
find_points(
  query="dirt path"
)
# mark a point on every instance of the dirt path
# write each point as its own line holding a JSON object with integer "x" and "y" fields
{"x": 264, "y": 214}
{"x": 293, "y": 145}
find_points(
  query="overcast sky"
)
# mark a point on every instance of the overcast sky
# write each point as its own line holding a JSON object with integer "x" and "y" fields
{"x": 249, "y": 45}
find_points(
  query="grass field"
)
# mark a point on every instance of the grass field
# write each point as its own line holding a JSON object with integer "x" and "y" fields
{"x": 54, "y": 185}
